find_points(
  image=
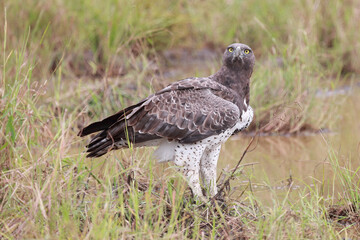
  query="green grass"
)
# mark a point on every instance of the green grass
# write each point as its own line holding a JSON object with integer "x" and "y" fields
{"x": 65, "y": 63}
{"x": 319, "y": 35}
{"x": 300, "y": 46}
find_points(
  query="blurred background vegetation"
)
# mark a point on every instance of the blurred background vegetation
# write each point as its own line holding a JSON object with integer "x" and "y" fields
{"x": 319, "y": 33}
{"x": 298, "y": 45}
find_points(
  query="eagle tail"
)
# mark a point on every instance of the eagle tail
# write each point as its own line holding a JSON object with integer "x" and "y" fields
{"x": 107, "y": 122}
{"x": 117, "y": 135}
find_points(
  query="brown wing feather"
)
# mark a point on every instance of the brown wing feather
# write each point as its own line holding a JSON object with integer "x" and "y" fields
{"x": 188, "y": 111}
{"x": 192, "y": 115}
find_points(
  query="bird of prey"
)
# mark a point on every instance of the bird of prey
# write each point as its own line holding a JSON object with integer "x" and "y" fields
{"x": 188, "y": 120}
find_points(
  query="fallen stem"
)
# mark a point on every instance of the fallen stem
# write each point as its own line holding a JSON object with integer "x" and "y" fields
{"x": 234, "y": 170}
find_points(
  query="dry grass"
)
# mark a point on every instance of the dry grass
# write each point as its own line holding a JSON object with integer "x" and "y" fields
{"x": 67, "y": 63}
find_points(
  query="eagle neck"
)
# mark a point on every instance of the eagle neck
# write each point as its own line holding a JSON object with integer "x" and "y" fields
{"x": 237, "y": 80}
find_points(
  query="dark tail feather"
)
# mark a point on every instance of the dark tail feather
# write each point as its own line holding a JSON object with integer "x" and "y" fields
{"x": 107, "y": 122}
{"x": 114, "y": 133}
{"x": 101, "y": 125}
{"x": 100, "y": 149}
{"x": 103, "y": 142}
{"x": 114, "y": 137}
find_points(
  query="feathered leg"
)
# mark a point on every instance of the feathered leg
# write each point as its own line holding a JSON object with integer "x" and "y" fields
{"x": 208, "y": 165}
{"x": 187, "y": 157}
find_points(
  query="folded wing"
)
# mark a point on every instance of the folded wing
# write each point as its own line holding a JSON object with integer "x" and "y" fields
{"x": 187, "y": 111}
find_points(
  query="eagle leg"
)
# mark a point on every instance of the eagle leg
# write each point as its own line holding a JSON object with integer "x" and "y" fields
{"x": 208, "y": 165}
{"x": 187, "y": 158}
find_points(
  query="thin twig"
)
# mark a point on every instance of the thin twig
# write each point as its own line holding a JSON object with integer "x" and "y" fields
{"x": 238, "y": 164}
{"x": 233, "y": 172}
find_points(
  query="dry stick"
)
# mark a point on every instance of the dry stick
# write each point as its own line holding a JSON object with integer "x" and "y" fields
{"x": 233, "y": 172}
{"x": 238, "y": 164}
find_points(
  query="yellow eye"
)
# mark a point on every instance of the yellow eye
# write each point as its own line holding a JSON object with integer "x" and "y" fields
{"x": 231, "y": 49}
{"x": 246, "y": 51}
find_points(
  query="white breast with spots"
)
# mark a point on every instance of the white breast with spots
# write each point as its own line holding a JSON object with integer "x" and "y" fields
{"x": 246, "y": 118}
{"x": 244, "y": 122}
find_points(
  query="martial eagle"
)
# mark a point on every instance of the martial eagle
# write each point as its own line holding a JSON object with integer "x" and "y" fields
{"x": 188, "y": 120}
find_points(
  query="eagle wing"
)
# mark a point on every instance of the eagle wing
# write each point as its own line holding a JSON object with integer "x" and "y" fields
{"x": 187, "y": 111}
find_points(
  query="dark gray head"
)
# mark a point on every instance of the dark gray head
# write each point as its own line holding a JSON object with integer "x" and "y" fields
{"x": 239, "y": 57}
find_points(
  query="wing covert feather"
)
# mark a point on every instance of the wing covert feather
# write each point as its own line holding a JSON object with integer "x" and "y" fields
{"x": 187, "y": 115}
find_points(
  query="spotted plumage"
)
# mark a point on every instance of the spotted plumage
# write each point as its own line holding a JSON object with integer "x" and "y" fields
{"x": 188, "y": 120}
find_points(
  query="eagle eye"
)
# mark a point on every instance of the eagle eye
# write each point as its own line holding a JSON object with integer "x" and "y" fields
{"x": 230, "y": 49}
{"x": 246, "y": 51}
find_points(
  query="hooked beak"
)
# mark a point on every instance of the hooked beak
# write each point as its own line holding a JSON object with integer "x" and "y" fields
{"x": 237, "y": 55}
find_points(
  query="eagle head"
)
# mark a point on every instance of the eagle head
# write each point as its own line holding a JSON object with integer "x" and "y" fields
{"x": 238, "y": 56}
